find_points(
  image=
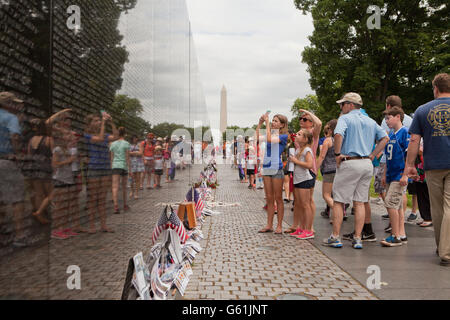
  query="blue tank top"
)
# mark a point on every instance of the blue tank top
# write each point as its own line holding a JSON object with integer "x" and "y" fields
{"x": 98, "y": 153}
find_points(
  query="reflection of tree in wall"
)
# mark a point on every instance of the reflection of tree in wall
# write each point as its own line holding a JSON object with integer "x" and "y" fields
{"x": 127, "y": 112}
{"x": 400, "y": 58}
{"x": 88, "y": 64}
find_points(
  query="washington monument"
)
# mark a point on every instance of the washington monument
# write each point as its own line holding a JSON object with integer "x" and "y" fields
{"x": 223, "y": 109}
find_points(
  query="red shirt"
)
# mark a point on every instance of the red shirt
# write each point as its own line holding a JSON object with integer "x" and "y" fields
{"x": 148, "y": 149}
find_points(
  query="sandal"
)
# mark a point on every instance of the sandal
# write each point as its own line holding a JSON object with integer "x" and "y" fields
{"x": 265, "y": 230}
{"x": 425, "y": 224}
{"x": 116, "y": 210}
{"x": 126, "y": 208}
{"x": 280, "y": 232}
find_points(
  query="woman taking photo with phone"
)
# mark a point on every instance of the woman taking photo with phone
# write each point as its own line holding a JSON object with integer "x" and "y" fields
{"x": 276, "y": 139}
{"x": 99, "y": 166}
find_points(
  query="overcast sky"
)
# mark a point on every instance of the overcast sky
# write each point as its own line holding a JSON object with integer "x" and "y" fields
{"x": 253, "y": 47}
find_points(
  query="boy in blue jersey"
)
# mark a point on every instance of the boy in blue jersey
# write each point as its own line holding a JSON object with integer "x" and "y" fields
{"x": 395, "y": 152}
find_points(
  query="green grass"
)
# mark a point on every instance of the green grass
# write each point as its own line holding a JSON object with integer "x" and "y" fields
{"x": 319, "y": 175}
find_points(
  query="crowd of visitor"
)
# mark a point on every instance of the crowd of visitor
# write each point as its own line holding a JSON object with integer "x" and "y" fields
{"x": 402, "y": 154}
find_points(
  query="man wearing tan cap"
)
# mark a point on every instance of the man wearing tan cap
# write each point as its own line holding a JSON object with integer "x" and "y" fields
{"x": 354, "y": 137}
{"x": 12, "y": 184}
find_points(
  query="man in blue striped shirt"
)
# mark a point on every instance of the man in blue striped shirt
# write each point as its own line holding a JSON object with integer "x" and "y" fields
{"x": 354, "y": 137}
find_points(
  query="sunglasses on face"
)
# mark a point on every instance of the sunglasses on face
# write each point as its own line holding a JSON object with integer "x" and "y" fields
{"x": 304, "y": 119}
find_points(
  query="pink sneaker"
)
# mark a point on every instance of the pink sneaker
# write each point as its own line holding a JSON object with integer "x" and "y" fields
{"x": 59, "y": 235}
{"x": 296, "y": 233}
{"x": 69, "y": 232}
{"x": 306, "y": 235}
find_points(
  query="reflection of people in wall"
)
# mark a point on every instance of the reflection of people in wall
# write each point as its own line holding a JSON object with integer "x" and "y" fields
{"x": 11, "y": 179}
{"x": 99, "y": 166}
{"x": 39, "y": 168}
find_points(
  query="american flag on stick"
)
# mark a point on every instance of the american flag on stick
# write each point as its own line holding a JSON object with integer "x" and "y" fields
{"x": 199, "y": 205}
{"x": 169, "y": 220}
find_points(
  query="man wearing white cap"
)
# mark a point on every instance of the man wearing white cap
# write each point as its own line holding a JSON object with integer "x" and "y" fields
{"x": 354, "y": 137}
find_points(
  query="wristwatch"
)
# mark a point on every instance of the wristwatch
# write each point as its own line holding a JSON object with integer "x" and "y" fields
{"x": 337, "y": 154}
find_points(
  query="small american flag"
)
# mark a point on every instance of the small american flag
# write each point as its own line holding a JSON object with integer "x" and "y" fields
{"x": 172, "y": 222}
{"x": 199, "y": 205}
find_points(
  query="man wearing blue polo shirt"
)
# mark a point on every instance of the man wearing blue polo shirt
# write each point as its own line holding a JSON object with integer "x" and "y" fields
{"x": 354, "y": 137}
{"x": 12, "y": 184}
{"x": 432, "y": 123}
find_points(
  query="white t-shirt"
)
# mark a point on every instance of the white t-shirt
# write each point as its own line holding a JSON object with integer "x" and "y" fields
{"x": 64, "y": 173}
{"x": 251, "y": 163}
{"x": 301, "y": 174}
{"x": 75, "y": 164}
{"x": 159, "y": 163}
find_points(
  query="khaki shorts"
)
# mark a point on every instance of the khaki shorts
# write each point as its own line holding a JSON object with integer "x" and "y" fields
{"x": 394, "y": 195}
{"x": 352, "y": 181}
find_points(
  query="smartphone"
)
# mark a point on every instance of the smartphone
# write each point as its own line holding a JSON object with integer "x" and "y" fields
{"x": 105, "y": 114}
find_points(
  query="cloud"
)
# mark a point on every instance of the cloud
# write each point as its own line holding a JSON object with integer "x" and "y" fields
{"x": 252, "y": 47}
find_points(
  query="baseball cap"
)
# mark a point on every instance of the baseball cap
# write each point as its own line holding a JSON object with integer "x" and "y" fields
{"x": 6, "y": 97}
{"x": 351, "y": 97}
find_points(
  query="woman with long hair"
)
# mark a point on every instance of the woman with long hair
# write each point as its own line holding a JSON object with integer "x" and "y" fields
{"x": 327, "y": 163}
{"x": 39, "y": 169}
{"x": 120, "y": 160}
{"x": 99, "y": 166}
{"x": 276, "y": 138}
{"x": 313, "y": 124}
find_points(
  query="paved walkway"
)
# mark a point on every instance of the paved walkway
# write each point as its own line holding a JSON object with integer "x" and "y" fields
{"x": 236, "y": 262}
{"x": 239, "y": 263}
{"x": 411, "y": 271}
